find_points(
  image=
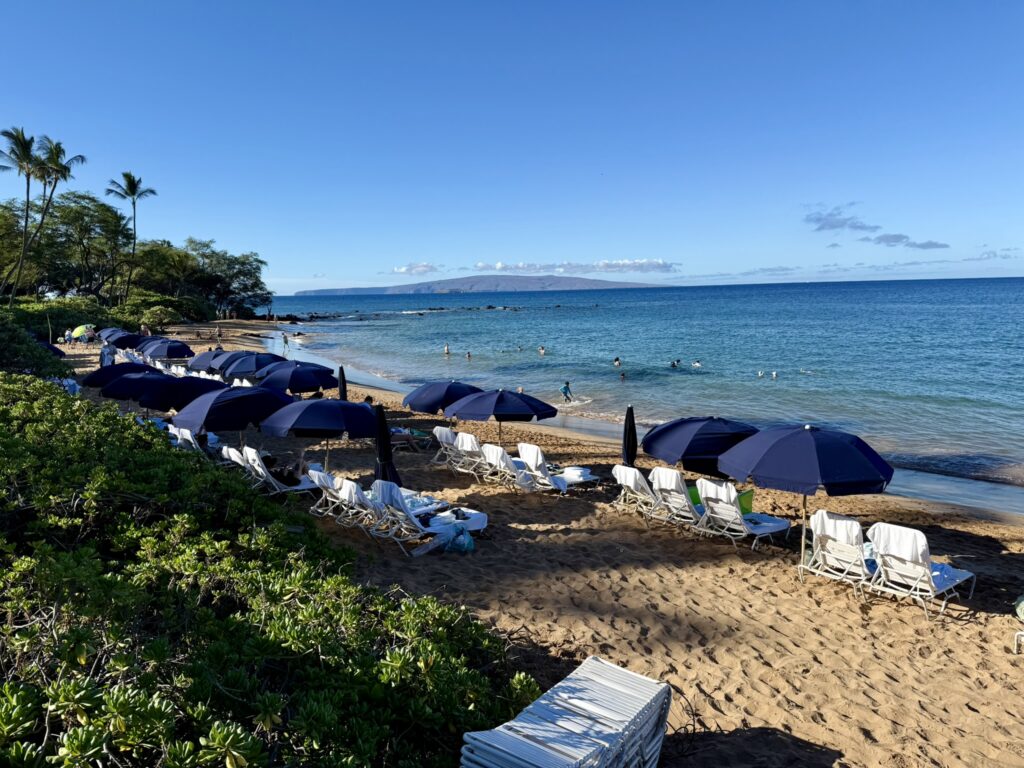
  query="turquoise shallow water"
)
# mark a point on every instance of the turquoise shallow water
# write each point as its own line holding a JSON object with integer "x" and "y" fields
{"x": 929, "y": 372}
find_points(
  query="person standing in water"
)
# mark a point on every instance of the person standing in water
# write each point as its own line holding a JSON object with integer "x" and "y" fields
{"x": 447, "y": 351}
{"x": 469, "y": 355}
{"x": 566, "y": 393}
{"x": 622, "y": 376}
{"x": 541, "y": 351}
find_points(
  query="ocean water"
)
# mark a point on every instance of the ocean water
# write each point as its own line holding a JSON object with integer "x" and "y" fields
{"x": 931, "y": 373}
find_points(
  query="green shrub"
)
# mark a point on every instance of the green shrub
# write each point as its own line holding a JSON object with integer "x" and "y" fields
{"x": 20, "y": 353}
{"x": 159, "y": 610}
{"x": 158, "y": 318}
{"x": 44, "y": 318}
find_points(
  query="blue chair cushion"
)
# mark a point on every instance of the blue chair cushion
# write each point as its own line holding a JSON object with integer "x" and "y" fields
{"x": 762, "y": 525}
{"x": 945, "y": 577}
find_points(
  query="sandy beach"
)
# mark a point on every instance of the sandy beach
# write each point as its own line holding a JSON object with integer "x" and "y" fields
{"x": 766, "y": 671}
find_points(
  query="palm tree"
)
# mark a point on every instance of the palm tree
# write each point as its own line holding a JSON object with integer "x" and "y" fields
{"x": 130, "y": 189}
{"x": 20, "y": 156}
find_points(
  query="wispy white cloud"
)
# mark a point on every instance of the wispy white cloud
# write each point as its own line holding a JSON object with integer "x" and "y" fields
{"x": 580, "y": 268}
{"x": 416, "y": 268}
{"x": 838, "y": 218}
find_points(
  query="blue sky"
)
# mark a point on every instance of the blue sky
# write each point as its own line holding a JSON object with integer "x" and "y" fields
{"x": 678, "y": 142}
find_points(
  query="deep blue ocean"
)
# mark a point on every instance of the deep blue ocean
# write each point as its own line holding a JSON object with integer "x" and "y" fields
{"x": 931, "y": 373}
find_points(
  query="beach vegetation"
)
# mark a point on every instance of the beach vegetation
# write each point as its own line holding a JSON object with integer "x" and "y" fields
{"x": 130, "y": 188}
{"x": 159, "y": 612}
{"x": 21, "y": 353}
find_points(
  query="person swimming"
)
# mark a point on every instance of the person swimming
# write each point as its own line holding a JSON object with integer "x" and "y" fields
{"x": 760, "y": 374}
{"x": 469, "y": 355}
{"x": 566, "y": 393}
{"x": 617, "y": 362}
{"x": 447, "y": 351}
{"x": 775, "y": 374}
{"x": 541, "y": 351}
{"x": 622, "y": 376}
{"x": 696, "y": 364}
{"x": 673, "y": 364}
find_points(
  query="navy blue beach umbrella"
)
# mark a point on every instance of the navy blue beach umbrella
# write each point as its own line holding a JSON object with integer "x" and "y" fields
{"x": 246, "y": 367}
{"x": 502, "y": 406}
{"x": 204, "y": 360}
{"x": 103, "y": 376}
{"x": 297, "y": 377}
{"x": 385, "y": 469}
{"x": 168, "y": 348}
{"x": 279, "y": 364}
{"x": 50, "y": 348}
{"x": 435, "y": 396}
{"x": 629, "y": 438}
{"x": 132, "y": 386}
{"x": 231, "y": 409}
{"x": 224, "y": 359}
{"x": 696, "y": 442}
{"x": 106, "y": 333}
{"x": 806, "y": 459}
{"x": 323, "y": 419}
{"x": 147, "y": 340}
{"x": 126, "y": 340}
{"x": 174, "y": 392}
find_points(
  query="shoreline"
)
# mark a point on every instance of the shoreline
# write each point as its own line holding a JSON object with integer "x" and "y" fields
{"x": 983, "y": 498}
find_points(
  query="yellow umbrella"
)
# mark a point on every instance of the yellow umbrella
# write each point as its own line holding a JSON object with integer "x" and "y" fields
{"x": 82, "y": 330}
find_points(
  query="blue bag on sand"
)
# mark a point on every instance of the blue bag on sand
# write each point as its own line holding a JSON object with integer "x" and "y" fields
{"x": 461, "y": 543}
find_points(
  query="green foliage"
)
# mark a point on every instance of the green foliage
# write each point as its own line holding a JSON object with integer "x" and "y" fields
{"x": 159, "y": 611}
{"x": 158, "y": 318}
{"x": 20, "y": 353}
{"x": 40, "y": 317}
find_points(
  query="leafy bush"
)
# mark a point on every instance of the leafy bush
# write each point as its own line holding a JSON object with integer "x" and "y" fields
{"x": 158, "y": 318}
{"x": 158, "y": 612}
{"x": 56, "y": 315}
{"x": 20, "y": 353}
{"x": 130, "y": 313}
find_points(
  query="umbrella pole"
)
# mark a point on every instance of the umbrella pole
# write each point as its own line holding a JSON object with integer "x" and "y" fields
{"x": 499, "y": 433}
{"x": 803, "y": 530}
{"x": 327, "y": 456}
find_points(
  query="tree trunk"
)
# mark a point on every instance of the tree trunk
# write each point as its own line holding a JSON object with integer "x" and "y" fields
{"x": 24, "y": 241}
{"x": 135, "y": 239}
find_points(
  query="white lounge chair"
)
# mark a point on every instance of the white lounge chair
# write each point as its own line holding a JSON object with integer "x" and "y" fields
{"x": 635, "y": 495}
{"x": 838, "y": 551}
{"x": 268, "y": 481}
{"x": 356, "y": 509}
{"x": 537, "y": 468}
{"x": 446, "y": 452}
{"x": 600, "y": 715}
{"x": 905, "y": 568}
{"x": 408, "y": 527}
{"x": 670, "y": 487}
{"x": 329, "y": 486}
{"x": 724, "y": 518}
{"x": 469, "y": 456}
{"x": 503, "y": 469}
{"x": 233, "y": 457}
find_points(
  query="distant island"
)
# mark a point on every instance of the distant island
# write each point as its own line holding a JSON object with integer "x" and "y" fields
{"x": 484, "y": 284}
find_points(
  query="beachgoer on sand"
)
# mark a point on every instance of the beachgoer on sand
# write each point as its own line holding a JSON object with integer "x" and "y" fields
{"x": 566, "y": 393}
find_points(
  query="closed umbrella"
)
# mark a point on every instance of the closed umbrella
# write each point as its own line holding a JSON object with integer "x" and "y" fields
{"x": 805, "y": 459}
{"x": 629, "y": 438}
{"x": 230, "y": 409}
{"x": 131, "y": 386}
{"x": 175, "y": 392}
{"x": 500, "y": 405}
{"x": 342, "y": 384}
{"x": 324, "y": 419}
{"x": 245, "y": 367}
{"x": 696, "y": 442}
{"x": 435, "y": 396}
{"x": 385, "y": 469}
{"x": 168, "y": 349}
{"x": 103, "y": 376}
{"x": 297, "y": 378}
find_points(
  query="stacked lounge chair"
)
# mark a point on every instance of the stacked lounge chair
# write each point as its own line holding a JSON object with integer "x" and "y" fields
{"x": 600, "y": 715}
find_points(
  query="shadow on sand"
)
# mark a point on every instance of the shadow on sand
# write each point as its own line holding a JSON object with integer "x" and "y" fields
{"x": 761, "y": 747}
